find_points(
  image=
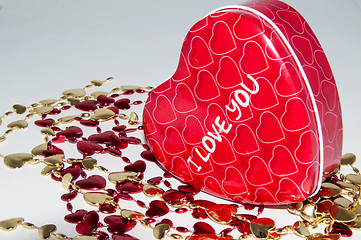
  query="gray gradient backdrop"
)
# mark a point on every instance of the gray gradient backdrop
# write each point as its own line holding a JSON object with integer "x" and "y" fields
{"x": 47, "y": 46}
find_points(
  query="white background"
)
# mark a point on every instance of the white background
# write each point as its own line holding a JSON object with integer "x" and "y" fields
{"x": 47, "y": 46}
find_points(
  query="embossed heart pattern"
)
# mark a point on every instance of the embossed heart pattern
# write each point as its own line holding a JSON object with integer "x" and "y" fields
{"x": 252, "y": 113}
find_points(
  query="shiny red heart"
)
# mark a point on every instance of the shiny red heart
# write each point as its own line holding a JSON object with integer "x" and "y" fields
{"x": 71, "y": 132}
{"x": 88, "y": 148}
{"x": 252, "y": 112}
{"x": 104, "y": 100}
{"x": 44, "y": 122}
{"x": 157, "y": 208}
{"x": 137, "y": 166}
{"x": 75, "y": 217}
{"x": 202, "y": 227}
{"x": 88, "y": 224}
{"x": 87, "y": 105}
{"x": 118, "y": 224}
{"x": 94, "y": 182}
{"x": 103, "y": 137}
{"x": 75, "y": 171}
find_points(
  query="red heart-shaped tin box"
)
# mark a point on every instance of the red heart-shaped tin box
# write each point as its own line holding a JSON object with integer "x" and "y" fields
{"x": 252, "y": 113}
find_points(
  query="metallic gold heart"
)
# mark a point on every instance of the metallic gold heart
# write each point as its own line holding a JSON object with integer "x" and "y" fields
{"x": 260, "y": 227}
{"x": 300, "y": 229}
{"x": 89, "y": 163}
{"x": 48, "y": 102}
{"x": 160, "y": 231}
{"x": 73, "y": 101}
{"x": 357, "y": 210}
{"x": 132, "y": 215}
{"x": 102, "y": 114}
{"x": 343, "y": 202}
{"x": 47, "y": 132}
{"x": 67, "y": 119}
{"x": 96, "y": 198}
{"x": 356, "y": 224}
{"x": 347, "y": 185}
{"x": 19, "y": 109}
{"x": 308, "y": 212}
{"x": 66, "y": 180}
{"x": 54, "y": 160}
{"x": 97, "y": 93}
{"x": 151, "y": 190}
{"x": 28, "y": 225}
{"x": 17, "y": 160}
{"x": 354, "y": 178}
{"x": 330, "y": 190}
{"x": 10, "y": 224}
{"x": 77, "y": 93}
{"x": 126, "y": 88}
{"x": 50, "y": 168}
{"x": 97, "y": 83}
{"x": 118, "y": 177}
{"x": 348, "y": 159}
{"x": 43, "y": 110}
{"x": 133, "y": 119}
{"x": 46, "y": 231}
{"x": 341, "y": 214}
{"x": 38, "y": 150}
{"x": 19, "y": 124}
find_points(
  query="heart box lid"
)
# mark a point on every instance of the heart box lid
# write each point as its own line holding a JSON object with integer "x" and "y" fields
{"x": 252, "y": 113}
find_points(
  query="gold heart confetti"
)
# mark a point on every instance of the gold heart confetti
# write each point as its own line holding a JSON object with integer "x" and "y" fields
{"x": 10, "y": 224}
{"x": 354, "y": 178}
{"x": 17, "y": 160}
{"x": 151, "y": 190}
{"x": 309, "y": 212}
{"x": 341, "y": 214}
{"x": 19, "y": 109}
{"x": 96, "y": 198}
{"x": 300, "y": 229}
{"x": 89, "y": 163}
{"x": 54, "y": 160}
{"x": 48, "y": 102}
{"x": 98, "y": 93}
{"x": 66, "y": 180}
{"x": 97, "y": 83}
{"x": 132, "y": 215}
{"x": 118, "y": 177}
{"x": 50, "y": 168}
{"x": 38, "y": 150}
{"x": 19, "y": 124}
{"x": 73, "y": 101}
{"x": 348, "y": 159}
{"x": 46, "y": 231}
{"x": 160, "y": 231}
{"x": 67, "y": 119}
{"x": 260, "y": 227}
{"x": 133, "y": 119}
{"x": 126, "y": 88}
{"x": 47, "y": 132}
{"x": 102, "y": 114}
{"x": 77, "y": 93}
{"x": 43, "y": 110}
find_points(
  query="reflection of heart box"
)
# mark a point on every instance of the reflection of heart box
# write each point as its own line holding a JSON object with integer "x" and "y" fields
{"x": 252, "y": 113}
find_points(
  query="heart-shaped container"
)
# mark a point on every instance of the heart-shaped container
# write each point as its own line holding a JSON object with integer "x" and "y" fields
{"x": 252, "y": 113}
